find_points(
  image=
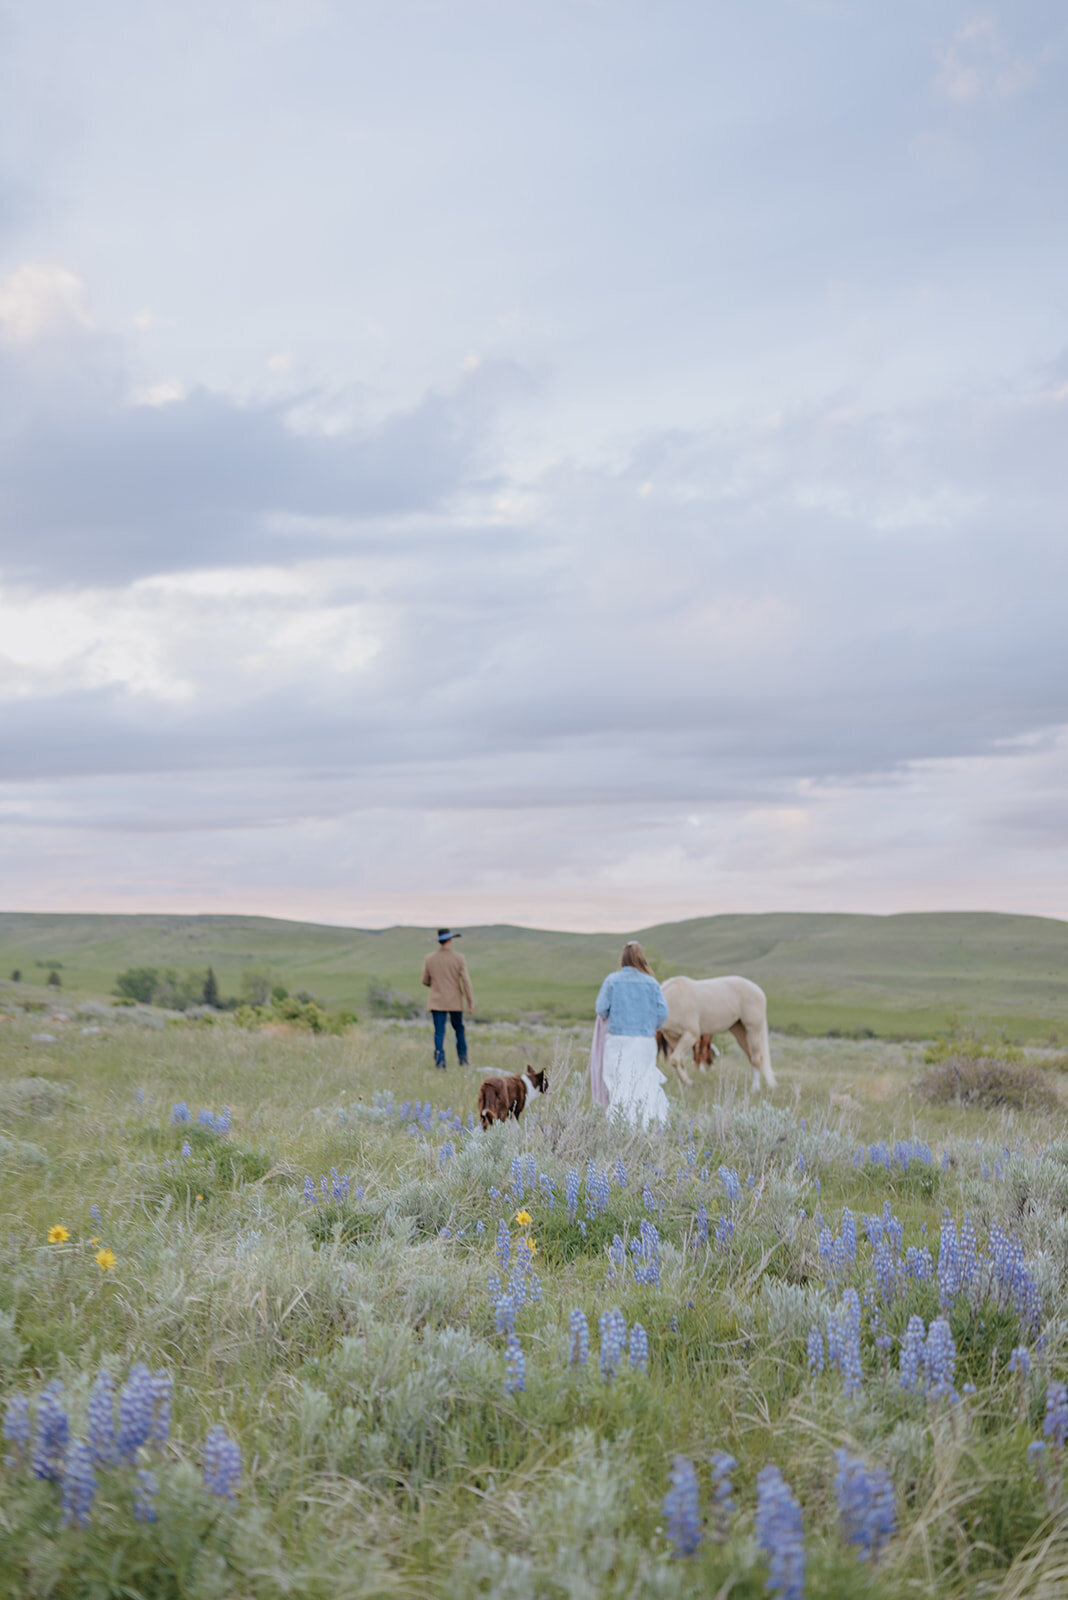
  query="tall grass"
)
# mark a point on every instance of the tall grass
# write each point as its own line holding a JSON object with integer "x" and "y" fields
{"x": 353, "y": 1345}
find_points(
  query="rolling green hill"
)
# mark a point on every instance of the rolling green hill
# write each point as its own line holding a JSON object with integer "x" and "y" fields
{"x": 904, "y": 976}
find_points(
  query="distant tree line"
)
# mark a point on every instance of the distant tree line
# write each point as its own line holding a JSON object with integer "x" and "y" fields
{"x": 175, "y": 991}
{"x": 261, "y": 996}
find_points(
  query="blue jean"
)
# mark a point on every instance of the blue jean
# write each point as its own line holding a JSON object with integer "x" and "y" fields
{"x": 457, "y": 1020}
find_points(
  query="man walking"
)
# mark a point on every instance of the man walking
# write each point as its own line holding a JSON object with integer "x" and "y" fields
{"x": 445, "y": 975}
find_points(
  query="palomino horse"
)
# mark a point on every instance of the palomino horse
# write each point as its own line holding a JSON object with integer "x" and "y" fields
{"x": 700, "y": 1007}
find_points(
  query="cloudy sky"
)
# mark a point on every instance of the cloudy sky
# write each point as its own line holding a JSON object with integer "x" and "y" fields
{"x": 576, "y": 463}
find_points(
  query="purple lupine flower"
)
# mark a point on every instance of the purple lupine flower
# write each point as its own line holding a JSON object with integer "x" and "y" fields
{"x": 162, "y": 1392}
{"x": 94, "y": 1212}
{"x": 817, "y": 1357}
{"x": 722, "y": 1490}
{"x": 939, "y": 1359}
{"x": 1020, "y": 1361}
{"x": 910, "y": 1360}
{"x": 503, "y": 1248}
{"x": 17, "y": 1424}
{"x": 79, "y": 1483}
{"x": 309, "y": 1194}
{"x": 187, "y": 1149}
{"x": 702, "y": 1223}
{"x": 800, "y": 1163}
{"x": 137, "y": 1407}
{"x": 949, "y": 1275}
{"x": 724, "y": 1231}
{"x": 646, "y": 1252}
{"x": 885, "y": 1268}
{"x": 1012, "y": 1279}
{"x": 515, "y": 1362}
{"x": 504, "y": 1313}
{"x": 545, "y": 1183}
{"x": 580, "y": 1337}
{"x": 918, "y": 1263}
{"x": 52, "y": 1434}
{"x": 969, "y": 1254}
{"x": 873, "y": 1227}
{"x": 682, "y": 1515}
{"x": 729, "y": 1179}
{"x": 621, "y": 1172}
{"x": 867, "y": 1511}
{"x": 638, "y": 1348}
{"x": 222, "y": 1463}
{"x": 613, "y": 1329}
{"x": 844, "y": 1254}
{"x": 780, "y": 1535}
{"x": 181, "y": 1113}
{"x": 617, "y": 1252}
{"x": 101, "y": 1420}
{"x": 144, "y": 1502}
{"x": 843, "y": 1341}
{"x": 1055, "y": 1423}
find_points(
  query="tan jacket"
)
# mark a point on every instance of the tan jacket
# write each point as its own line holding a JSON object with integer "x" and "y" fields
{"x": 445, "y": 975}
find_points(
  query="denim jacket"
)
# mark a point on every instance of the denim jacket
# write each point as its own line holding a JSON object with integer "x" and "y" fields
{"x": 633, "y": 1003}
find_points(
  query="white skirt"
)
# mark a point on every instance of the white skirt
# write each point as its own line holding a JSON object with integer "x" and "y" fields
{"x": 634, "y": 1082}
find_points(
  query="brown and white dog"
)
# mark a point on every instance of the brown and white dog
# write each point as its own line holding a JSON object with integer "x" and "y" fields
{"x": 501, "y": 1098}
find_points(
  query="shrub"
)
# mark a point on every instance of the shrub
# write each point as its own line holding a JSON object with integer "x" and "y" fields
{"x": 382, "y": 1001}
{"x": 137, "y": 983}
{"x": 972, "y": 1047}
{"x": 987, "y": 1082}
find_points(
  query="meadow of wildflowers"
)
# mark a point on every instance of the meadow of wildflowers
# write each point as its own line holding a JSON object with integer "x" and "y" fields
{"x": 277, "y": 1319}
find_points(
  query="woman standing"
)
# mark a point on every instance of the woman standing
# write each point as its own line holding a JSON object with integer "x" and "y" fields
{"x": 631, "y": 1007}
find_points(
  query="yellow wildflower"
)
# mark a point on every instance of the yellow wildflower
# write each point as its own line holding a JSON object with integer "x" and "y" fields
{"x": 200, "y": 1197}
{"x": 94, "y": 1240}
{"x": 106, "y": 1259}
{"x": 58, "y": 1234}
{"x": 523, "y": 1218}
{"x": 532, "y": 1247}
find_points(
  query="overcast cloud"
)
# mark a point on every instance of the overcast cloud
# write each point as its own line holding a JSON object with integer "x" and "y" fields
{"x": 578, "y": 465}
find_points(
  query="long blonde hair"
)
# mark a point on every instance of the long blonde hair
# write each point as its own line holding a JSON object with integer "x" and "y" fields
{"x": 634, "y": 956}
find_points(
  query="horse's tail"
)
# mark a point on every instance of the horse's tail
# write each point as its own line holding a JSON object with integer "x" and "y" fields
{"x": 661, "y": 1044}
{"x": 765, "y": 1053}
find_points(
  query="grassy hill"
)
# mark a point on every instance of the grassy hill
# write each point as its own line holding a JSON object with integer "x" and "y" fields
{"x": 901, "y": 976}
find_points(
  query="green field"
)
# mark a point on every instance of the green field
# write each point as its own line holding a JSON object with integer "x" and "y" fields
{"x": 907, "y": 976}
{"x": 352, "y": 1349}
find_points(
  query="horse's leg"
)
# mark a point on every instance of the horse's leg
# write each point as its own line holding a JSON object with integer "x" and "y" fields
{"x": 685, "y": 1042}
{"x": 705, "y": 1053}
{"x": 741, "y": 1033}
